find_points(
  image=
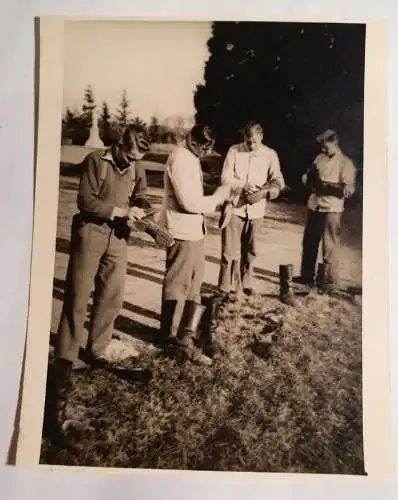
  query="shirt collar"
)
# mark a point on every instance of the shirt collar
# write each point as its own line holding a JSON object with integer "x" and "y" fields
{"x": 253, "y": 153}
{"x": 108, "y": 156}
{"x": 337, "y": 155}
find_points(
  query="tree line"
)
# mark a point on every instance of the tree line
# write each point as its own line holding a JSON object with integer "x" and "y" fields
{"x": 297, "y": 79}
{"x": 76, "y": 124}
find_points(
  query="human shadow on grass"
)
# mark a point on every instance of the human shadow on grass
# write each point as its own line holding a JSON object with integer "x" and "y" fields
{"x": 62, "y": 245}
{"x": 133, "y": 269}
{"x": 123, "y": 324}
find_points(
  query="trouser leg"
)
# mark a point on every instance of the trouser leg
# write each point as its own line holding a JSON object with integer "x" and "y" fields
{"x": 87, "y": 248}
{"x": 182, "y": 282}
{"x": 249, "y": 244}
{"x": 331, "y": 247}
{"x": 230, "y": 254}
{"x": 108, "y": 294}
{"x": 313, "y": 232}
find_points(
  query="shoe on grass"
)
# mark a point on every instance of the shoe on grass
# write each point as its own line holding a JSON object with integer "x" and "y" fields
{"x": 117, "y": 351}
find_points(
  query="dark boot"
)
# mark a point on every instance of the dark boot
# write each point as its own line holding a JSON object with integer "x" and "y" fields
{"x": 191, "y": 320}
{"x": 287, "y": 295}
{"x": 164, "y": 337}
{"x": 213, "y": 304}
{"x": 60, "y": 386}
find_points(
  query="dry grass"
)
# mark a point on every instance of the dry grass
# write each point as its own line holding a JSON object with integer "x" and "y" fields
{"x": 298, "y": 411}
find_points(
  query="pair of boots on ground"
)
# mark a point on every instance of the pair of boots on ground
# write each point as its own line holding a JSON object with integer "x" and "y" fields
{"x": 197, "y": 326}
{"x": 286, "y": 279}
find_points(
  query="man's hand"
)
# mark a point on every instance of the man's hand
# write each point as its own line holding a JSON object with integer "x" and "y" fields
{"x": 118, "y": 212}
{"x": 348, "y": 191}
{"x": 255, "y": 197}
{"x": 136, "y": 213}
{"x": 222, "y": 193}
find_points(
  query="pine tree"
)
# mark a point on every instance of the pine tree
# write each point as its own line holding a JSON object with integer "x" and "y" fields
{"x": 297, "y": 79}
{"x": 106, "y": 132}
{"x": 123, "y": 112}
{"x": 138, "y": 121}
{"x": 154, "y": 129}
{"x": 88, "y": 107}
{"x": 68, "y": 123}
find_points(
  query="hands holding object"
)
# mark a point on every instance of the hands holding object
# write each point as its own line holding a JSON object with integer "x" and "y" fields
{"x": 144, "y": 221}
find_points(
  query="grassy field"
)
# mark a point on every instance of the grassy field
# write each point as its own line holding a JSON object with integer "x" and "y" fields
{"x": 298, "y": 411}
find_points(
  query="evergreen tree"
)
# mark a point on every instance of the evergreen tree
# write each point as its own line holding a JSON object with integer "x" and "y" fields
{"x": 123, "y": 112}
{"x": 68, "y": 124}
{"x": 138, "y": 121}
{"x": 297, "y": 79}
{"x": 154, "y": 129}
{"x": 107, "y": 133}
{"x": 88, "y": 107}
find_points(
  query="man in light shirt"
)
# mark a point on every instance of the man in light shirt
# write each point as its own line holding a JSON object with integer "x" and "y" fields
{"x": 182, "y": 214}
{"x": 330, "y": 180}
{"x": 254, "y": 168}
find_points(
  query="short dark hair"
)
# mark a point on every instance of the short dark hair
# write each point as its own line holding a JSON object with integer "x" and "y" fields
{"x": 252, "y": 126}
{"x": 141, "y": 134}
{"x": 201, "y": 134}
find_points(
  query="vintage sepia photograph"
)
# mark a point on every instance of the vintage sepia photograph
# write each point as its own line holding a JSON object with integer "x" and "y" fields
{"x": 207, "y": 284}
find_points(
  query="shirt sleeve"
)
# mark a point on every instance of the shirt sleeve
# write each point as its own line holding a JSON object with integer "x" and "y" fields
{"x": 275, "y": 175}
{"x": 88, "y": 199}
{"x": 227, "y": 174}
{"x": 139, "y": 195}
{"x": 348, "y": 177}
{"x": 187, "y": 187}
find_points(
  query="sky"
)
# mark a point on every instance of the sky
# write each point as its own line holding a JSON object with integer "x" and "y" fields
{"x": 159, "y": 64}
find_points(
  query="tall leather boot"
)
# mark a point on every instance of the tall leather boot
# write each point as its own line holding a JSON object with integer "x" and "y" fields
{"x": 286, "y": 295}
{"x": 209, "y": 324}
{"x": 190, "y": 323}
{"x": 164, "y": 336}
{"x": 60, "y": 387}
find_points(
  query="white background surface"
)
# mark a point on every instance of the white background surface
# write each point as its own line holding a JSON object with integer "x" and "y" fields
{"x": 17, "y": 49}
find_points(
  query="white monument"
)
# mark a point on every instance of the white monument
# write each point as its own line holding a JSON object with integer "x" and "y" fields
{"x": 94, "y": 140}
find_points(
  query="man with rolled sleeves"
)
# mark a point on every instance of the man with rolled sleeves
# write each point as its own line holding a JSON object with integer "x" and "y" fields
{"x": 254, "y": 168}
{"x": 182, "y": 214}
{"x": 111, "y": 191}
{"x": 330, "y": 181}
